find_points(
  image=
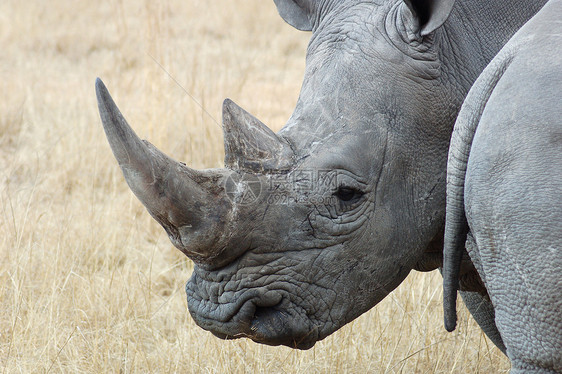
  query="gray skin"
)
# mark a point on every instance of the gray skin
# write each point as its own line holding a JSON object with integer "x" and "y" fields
{"x": 505, "y": 190}
{"x": 306, "y": 229}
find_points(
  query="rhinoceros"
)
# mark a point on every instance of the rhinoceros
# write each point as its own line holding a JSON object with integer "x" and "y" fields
{"x": 504, "y": 193}
{"x": 306, "y": 229}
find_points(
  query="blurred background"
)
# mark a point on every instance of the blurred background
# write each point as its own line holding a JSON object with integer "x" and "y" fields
{"x": 89, "y": 283}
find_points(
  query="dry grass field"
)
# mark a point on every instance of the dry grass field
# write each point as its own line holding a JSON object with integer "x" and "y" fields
{"x": 89, "y": 283}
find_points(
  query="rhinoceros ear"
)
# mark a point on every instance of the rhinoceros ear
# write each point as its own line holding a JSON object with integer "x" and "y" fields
{"x": 296, "y": 13}
{"x": 250, "y": 145}
{"x": 430, "y": 14}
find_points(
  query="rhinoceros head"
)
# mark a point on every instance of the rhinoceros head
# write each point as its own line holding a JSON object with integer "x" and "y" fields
{"x": 306, "y": 229}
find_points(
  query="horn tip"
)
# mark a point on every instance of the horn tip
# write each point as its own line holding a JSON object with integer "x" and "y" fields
{"x": 102, "y": 94}
{"x": 99, "y": 85}
{"x": 229, "y": 106}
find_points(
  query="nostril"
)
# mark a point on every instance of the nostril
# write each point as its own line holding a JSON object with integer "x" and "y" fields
{"x": 268, "y": 319}
{"x": 265, "y": 312}
{"x": 267, "y": 305}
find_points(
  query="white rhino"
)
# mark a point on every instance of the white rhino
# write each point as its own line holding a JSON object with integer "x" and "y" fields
{"x": 306, "y": 229}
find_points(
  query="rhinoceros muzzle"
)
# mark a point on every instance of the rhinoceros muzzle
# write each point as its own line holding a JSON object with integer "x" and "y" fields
{"x": 264, "y": 315}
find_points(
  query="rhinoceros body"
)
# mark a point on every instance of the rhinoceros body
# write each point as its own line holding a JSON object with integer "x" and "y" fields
{"x": 306, "y": 229}
{"x": 505, "y": 177}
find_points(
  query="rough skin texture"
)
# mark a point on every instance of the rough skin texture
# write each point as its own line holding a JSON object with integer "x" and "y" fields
{"x": 512, "y": 190}
{"x": 355, "y": 199}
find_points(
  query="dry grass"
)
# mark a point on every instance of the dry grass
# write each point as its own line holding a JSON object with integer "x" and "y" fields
{"x": 88, "y": 282}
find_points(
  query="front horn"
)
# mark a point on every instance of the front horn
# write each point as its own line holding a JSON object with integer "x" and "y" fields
{"x": 191, "y": 205}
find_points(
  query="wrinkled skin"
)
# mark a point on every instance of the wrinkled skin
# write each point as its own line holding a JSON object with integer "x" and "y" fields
{"x": 383, "y": 84}
{"x": 505, "y": 175}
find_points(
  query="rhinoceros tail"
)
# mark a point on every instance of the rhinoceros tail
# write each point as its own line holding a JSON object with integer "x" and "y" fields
{"x": 456, "y": 225}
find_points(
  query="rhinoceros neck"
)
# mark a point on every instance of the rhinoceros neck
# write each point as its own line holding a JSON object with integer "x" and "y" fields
{"x": 477, "y": 30}
{"x": 474, "y": 33}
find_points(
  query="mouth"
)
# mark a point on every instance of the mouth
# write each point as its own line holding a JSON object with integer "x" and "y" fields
{"x": 265, "y": 316}
{"x": 270, "y": 326}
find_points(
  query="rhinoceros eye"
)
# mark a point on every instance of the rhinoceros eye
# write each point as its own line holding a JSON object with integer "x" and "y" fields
{"x": 348, "y": 194}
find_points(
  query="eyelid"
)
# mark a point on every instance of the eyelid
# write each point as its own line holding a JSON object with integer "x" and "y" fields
{"x": 351, "y": 183}
{"x": 349, "y": 188}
